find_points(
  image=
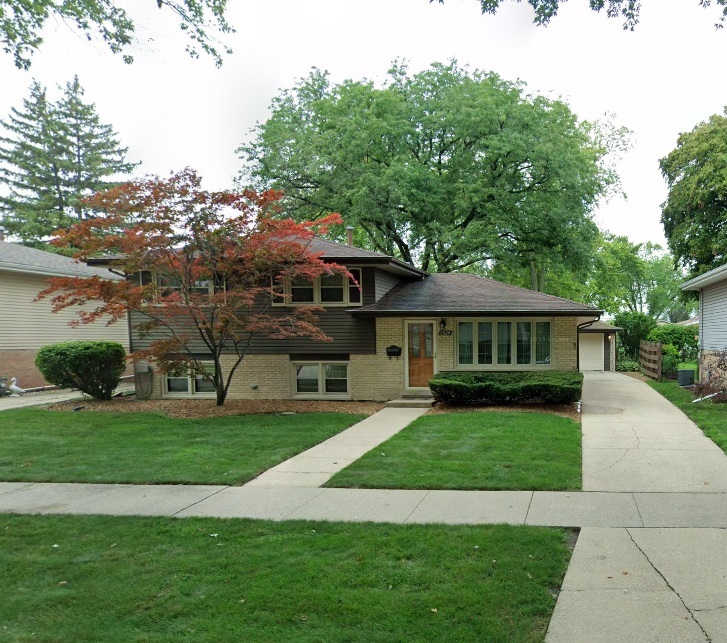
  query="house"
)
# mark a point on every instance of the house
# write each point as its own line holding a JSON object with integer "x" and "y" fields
{"x": 26, "y": 325}
{"x": 712, "y": 289}
{"x": 597, "y": 346}
{"x": 390, "y": 336}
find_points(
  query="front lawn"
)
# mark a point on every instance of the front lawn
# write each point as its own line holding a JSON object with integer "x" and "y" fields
{"x": 98, "y": 578}
{"x": 485, "y": 450}
{"x": 710, "y": 417}
{"x": 61, "y": 446}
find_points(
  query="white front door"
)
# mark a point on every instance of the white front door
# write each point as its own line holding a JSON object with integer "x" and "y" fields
{"x": 590, "y": 351}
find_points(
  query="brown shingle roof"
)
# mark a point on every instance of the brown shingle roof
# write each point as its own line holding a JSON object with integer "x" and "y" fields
{"x": 465, "y": 294}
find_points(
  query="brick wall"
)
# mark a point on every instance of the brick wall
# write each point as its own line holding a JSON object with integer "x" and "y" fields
{"x": 565, "y": 339}
{"x": 20, "y": 364}
{"x": 376, "y": 377}
{"x": 445, "y": 346}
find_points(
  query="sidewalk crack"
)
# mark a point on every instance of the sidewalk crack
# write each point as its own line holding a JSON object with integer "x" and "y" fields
{"x": 417, "y": 507}
{"x": 611, "y": 466}
{"x": 707, "y": 637}
{"x": 172, "y": 515}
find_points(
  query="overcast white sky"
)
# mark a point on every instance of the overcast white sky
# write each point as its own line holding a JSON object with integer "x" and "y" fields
{"x": 172, "y": 111}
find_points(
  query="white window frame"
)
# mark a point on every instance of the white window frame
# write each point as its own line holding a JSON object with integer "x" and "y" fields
{"x": 346, "y": 303}
{"x": 512, "y": 365}
{"x": 321, "y": 394}
{"x": 190, "y": 376}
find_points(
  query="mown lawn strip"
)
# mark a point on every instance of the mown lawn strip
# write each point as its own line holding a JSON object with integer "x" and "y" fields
{"x": 485, "y": 450}
{"x": 710, "y": 417}
{"x": 97, "y": 578}
{"x": 144, "y": 448}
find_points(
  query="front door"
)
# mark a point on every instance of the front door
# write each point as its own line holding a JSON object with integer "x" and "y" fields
{"x": 420, "y": 353}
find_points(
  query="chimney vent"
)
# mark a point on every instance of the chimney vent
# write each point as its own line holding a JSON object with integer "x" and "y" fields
{"x": 349, "y": 233}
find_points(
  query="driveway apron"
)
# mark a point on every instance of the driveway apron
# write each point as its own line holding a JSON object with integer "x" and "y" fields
{"x": 640, "y": 584}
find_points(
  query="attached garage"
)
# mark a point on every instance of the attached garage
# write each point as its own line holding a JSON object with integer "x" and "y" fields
{"x": 597, "y": 347}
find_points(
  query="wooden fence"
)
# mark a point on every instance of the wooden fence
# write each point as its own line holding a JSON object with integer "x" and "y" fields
{"x": 650, "y": 359}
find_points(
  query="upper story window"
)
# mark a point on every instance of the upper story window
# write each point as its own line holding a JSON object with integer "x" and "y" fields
{"x": 328, "y": 290}
{"x": 498, "y": 343}
{"x": 166, "y": 284}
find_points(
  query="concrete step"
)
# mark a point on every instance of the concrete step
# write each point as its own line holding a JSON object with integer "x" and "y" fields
{"x": 411, "y": 403}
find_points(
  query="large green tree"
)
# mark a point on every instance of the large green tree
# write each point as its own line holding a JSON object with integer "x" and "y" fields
{"x": 22, "y": 23}
{"x": 447, "y": 168}
{"x": 695, "y": 212}
{"x": 53, "y": 155}
{"x": 628, "y": 10}
{"x": 638, "y": 278}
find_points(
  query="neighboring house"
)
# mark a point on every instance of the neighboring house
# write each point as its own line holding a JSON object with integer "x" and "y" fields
{"x": 27, "y": 325}
{"x": 712, "y": 288}
{"x": 392, "y": 335}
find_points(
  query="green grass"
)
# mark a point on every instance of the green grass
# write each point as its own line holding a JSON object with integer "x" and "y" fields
{"x": 710, "y": 417}
{"x": 54, "y": 446}
{"x": 98, "y": 578}
{"x": 485, "y": 450}
{"x": 689, "y": 366}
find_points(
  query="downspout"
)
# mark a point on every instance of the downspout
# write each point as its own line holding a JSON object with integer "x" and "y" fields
{"x": 578, "y": 340}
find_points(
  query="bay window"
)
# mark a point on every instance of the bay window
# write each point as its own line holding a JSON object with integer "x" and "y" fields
{"x": 498, "y": 343}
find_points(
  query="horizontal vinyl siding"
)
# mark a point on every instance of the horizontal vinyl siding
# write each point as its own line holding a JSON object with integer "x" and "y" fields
{"x": 27, "y": 324}
{"x": 714, "y": 317}
{"x": 349, "y": 335}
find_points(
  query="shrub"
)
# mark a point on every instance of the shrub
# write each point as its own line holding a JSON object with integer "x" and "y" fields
{"x": 636, "y": 326}
{"x": 626, "y": 365}
{"x": 92, "y": 367}
{"x": 683, "y": 338}
{"x": 669, "y": 366}
{"x": 468, "y": 388}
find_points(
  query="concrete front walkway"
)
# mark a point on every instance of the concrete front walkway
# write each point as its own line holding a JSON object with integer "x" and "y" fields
{"x": 314, "y": 467}
{"x": 666, "y": 579}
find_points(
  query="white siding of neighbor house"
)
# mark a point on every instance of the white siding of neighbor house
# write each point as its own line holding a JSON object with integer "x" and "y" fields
{"x": 714, "y": 317}
{"x": 27, "y": 324}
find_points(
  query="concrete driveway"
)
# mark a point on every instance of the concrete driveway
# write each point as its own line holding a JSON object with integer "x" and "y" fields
{"x": 639, "y": 584}
{"x": 636, "y": 440}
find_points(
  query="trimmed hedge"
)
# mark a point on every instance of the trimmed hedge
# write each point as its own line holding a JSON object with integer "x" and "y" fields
{"x": 468, "y": 388}
{"x": 92, "y": 367}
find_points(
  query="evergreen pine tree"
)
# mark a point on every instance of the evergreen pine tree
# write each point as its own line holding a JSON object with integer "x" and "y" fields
{"x": 53, "y": 155}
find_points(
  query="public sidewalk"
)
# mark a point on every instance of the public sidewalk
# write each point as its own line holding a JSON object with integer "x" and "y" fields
{"x": 544, "y": 508}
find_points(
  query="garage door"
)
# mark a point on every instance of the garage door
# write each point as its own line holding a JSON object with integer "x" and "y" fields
{"x": 591, "y": 351}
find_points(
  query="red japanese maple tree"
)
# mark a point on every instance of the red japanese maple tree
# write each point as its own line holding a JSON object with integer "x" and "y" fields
{"x": 201, "y": 272}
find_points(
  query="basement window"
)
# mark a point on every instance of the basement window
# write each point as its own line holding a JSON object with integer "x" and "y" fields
{"x": 320, "y": 380}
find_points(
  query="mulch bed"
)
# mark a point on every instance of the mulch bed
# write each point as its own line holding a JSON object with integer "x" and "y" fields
{"x": 181, "y": 408}
{"x": 207, "y": 408}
